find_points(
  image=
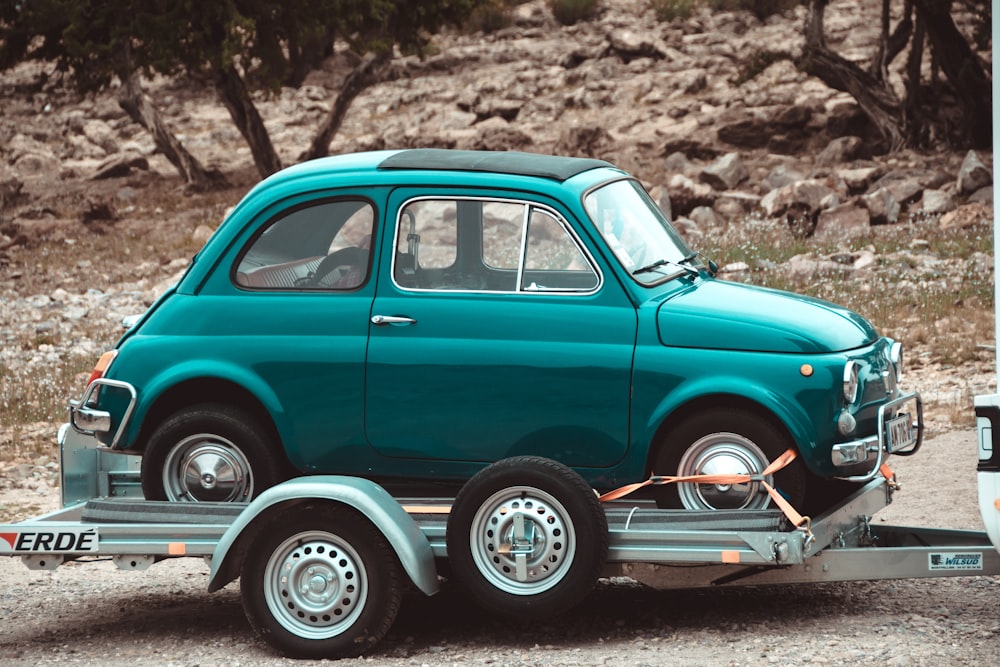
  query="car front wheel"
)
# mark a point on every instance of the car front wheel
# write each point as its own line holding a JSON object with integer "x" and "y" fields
{"x": 726, "y": 442}
{"x": 209, "y": 453}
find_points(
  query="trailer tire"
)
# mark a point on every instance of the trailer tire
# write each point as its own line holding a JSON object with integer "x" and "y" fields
{"x": 213, "y": 439}
{"x": 321, "y": 583}
{"x": 561, "y": 525}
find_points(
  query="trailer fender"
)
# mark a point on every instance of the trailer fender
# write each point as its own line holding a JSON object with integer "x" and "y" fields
{"x": 366, "y": 497}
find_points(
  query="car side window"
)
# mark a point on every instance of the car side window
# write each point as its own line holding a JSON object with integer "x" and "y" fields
{"x": 324, "y": 246}
{"x": 488, "y": 245}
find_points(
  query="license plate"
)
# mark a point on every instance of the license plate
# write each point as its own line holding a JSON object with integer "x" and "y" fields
{"x": 900, "y": 433}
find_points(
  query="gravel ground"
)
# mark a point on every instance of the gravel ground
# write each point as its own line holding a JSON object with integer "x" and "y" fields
{"x": 92, "y": 614}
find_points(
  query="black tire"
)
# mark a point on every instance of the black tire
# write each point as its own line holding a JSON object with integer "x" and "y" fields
{"x": 321, "y": 583}
{"x": 210, "y": 452}
{"x": 557, "y": 568}
{"x": 726, "y": 441}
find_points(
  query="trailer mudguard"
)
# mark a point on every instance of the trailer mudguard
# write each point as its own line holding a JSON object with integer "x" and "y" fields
{"x": 367, "y": 497}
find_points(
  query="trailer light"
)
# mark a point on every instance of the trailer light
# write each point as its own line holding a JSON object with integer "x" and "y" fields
{"x": 102, "y": 365}
{"x": 851, "y": 383}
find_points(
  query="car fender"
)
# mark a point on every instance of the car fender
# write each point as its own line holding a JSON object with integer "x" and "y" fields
{"x": 789, "y": 413}
{"x": 154, "y": 388}
{"x": 367, "y": 497}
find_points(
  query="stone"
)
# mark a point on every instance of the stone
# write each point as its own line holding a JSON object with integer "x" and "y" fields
{"x": 800, "y": 198}
{"x": 119, "y": 166}
{"x": 725, "y": 173}
{"x": 841, "y": 149}
{"x": 782, "y": 175}
{"x": 685, "y": 194}
{"x": 704, "y": 216}
{"x": 966, "y": 216}
{"x": 630, "y": 45}
{"x": 846, "y": 221}
{"x": 882, "y": 206}
{"x": 936, "y": 201}
{"x": 984, "y": 195}
{"x": 858, "y": 180}
{"x": 973, "y": 174}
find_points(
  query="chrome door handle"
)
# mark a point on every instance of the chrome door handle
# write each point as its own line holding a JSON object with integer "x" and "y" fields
{"x": 395, "y": 320}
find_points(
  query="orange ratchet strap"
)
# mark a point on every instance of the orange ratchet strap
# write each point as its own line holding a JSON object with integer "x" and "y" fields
{"x": 797, "y": 519}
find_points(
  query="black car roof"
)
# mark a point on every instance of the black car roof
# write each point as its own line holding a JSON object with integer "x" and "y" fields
{"x": 553, "y": 167}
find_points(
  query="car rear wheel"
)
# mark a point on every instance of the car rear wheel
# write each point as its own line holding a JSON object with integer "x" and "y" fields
{"x": 726, "y": 442}
{"x": 209, "y": 453}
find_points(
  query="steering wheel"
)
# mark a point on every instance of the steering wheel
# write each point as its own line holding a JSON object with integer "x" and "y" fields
{"x": 351, "y": 257}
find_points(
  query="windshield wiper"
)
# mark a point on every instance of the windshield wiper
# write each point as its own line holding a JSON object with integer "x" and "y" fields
{"x": 682, "y": 264}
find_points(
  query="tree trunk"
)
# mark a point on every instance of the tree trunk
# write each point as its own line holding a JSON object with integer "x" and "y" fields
{"x": 368, "y": 72}
{"x": 875, "y": 97}
{"x": 963, "y": 69}
{"x": 133, "y": 101}
{"x": 236, "y": 98}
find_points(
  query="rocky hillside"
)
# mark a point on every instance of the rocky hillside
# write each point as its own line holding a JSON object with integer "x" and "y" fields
{"x": 93, "y": 222}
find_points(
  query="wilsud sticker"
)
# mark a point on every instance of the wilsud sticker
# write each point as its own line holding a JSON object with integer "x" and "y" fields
{"x": 955, "y": 561}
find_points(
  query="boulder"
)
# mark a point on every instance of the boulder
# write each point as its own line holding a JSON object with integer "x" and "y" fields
{"x": 966, "y": 216}
{"x": 725, "y": 173}
{"x": 882, "y": 206}
{"x": 845, "y": 221}
{"x": 840, "y": 150}
{"x": 936, "y": 201}
{"x": 973, "y": 174}
{"x": 799, "y": 198}
{"x": 686, "y": 195}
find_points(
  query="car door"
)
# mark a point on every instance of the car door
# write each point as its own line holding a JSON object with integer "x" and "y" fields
{"x": 495, "y": 333}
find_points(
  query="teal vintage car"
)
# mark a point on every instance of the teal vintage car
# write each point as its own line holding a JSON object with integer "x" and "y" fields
{"x": 411, "y": 316}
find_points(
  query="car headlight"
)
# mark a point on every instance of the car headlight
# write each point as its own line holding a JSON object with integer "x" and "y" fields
{"x": 851, "y": 383}
{"x": 896, "y": 359}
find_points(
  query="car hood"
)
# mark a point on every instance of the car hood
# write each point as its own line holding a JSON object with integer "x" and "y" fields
{"x": 717, "y": 314}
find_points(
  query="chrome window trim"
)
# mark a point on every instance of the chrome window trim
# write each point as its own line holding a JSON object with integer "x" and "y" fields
{"x": 529, "y": 206}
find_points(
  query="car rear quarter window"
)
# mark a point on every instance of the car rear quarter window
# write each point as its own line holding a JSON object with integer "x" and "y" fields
{"x": 319, "y": 246}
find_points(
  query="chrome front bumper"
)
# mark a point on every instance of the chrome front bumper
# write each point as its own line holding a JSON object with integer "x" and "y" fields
{"x": 876, "y": 447}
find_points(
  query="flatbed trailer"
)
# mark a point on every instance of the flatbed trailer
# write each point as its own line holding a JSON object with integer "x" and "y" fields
{"x": 324, "y": 559}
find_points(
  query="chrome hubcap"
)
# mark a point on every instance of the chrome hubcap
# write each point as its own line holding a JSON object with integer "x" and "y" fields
{"x": 723, "y": 454}
{"x": 207, "y": 468}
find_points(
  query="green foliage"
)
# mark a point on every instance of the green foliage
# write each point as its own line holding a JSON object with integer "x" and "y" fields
{"x": 568, "y": 12}
{"x": 489, "y": 16}
{"x": 668, "y": 10}
{"x": 274, "y": 42}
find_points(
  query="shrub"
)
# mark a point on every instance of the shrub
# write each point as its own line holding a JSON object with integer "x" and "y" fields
{"x": 569, "y": 12}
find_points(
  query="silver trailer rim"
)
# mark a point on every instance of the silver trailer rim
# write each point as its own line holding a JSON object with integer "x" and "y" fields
{"x": 522, "y": 540}
{"x": 315, "y": 585}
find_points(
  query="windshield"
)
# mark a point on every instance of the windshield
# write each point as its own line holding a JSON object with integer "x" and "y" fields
{"x": 641, "y": 237}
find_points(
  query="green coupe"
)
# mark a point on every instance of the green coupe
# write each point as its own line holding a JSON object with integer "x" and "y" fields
{"x": 411, "y": 316}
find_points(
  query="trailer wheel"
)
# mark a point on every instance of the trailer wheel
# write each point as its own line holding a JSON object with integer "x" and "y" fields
{"x": 209, "y": 452}
{"x": 321, "y": 583}
{"x": 527, "y": 537}
{"x": 726, "y": 442}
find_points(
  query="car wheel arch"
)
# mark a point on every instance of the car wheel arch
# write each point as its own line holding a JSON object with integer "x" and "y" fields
{"x": 704, "y": 403}
{"x": 195, "y": 391}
